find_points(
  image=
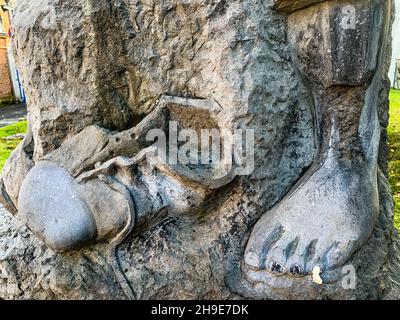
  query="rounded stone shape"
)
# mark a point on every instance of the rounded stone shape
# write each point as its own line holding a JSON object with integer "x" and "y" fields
{"x": 51, "y": 206}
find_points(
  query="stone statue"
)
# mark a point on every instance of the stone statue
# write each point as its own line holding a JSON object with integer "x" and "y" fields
{"x": 101, "y": 212}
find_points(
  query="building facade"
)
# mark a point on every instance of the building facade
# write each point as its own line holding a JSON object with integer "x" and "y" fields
{"x": 6, "y": 86}
{"x": 10, "y": 87}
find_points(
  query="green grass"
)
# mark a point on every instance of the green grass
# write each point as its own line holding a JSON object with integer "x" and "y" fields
{"x": 7, "y": 146}
{"x": 394, "y": 152}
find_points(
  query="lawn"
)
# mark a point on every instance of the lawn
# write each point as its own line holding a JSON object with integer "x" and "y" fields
{"x": 394, "y": 152}
{"x": 7, "y": 144}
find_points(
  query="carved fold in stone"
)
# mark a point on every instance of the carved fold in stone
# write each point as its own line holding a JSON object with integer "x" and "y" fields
{"x": 332, "y": 51}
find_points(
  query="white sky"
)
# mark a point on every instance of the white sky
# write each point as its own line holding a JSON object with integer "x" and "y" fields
{"x": 396, "y": 41}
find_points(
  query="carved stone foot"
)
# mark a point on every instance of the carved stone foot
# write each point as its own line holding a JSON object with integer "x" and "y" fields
{"x": 329, "y": 216}
{"x": 332, "y": 210}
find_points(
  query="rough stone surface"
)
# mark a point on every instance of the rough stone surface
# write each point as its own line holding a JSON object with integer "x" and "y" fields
{"x": 99, "y": 74}
{"x": 30, "y": 270}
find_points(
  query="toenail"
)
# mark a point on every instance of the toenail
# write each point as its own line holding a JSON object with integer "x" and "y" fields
{"x": 295, "y": 270}
{"x": 276, "y": 267}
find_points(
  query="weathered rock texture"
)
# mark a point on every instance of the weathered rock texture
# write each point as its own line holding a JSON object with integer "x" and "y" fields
{"x": 99, "y": 74}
